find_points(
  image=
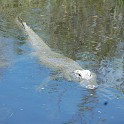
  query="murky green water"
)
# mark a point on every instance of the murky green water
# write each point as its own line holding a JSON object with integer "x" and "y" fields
{"x": 89, "y": 32}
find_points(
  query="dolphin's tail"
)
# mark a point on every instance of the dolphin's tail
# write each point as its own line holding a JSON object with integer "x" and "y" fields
{"x": 20, "y": 21}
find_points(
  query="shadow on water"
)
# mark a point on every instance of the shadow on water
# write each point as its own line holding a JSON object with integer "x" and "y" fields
{"x": 89, "y": 32}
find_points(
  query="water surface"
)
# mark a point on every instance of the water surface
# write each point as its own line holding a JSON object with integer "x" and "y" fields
{"x": 88, "y": 32}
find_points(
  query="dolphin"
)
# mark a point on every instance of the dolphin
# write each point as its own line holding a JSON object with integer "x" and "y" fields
{"x": 69, "y": 68}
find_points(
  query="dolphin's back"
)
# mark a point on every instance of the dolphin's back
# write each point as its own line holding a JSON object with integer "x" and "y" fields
{"x": 36, "y": 42}
{"x": 45, "y": 54}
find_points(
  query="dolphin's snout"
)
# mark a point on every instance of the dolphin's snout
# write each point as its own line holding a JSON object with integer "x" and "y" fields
{"x": 91, "y": 87}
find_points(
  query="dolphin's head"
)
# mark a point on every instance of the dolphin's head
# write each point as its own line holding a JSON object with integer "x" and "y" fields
{"x": 86, "y": 78}
{"x": 83, "y": 74}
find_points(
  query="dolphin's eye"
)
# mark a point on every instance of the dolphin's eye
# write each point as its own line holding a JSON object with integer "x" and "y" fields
{"x": 91, "y": 75}
{"x": 79, "y": 75}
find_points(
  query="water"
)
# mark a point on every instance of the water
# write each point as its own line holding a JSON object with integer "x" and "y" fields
{"x": 88, "y": 32}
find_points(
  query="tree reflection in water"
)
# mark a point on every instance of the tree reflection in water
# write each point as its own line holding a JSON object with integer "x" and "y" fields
{"x": 87, "y": 31}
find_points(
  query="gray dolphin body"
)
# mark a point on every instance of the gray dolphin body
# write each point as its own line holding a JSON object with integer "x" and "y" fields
{"x": 70, "y": 69}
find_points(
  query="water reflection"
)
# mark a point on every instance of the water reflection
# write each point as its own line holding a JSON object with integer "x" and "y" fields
{"x": 86, "y": 107}
{"x": 112, "y": 69}
{"x": 91, "y": 33}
